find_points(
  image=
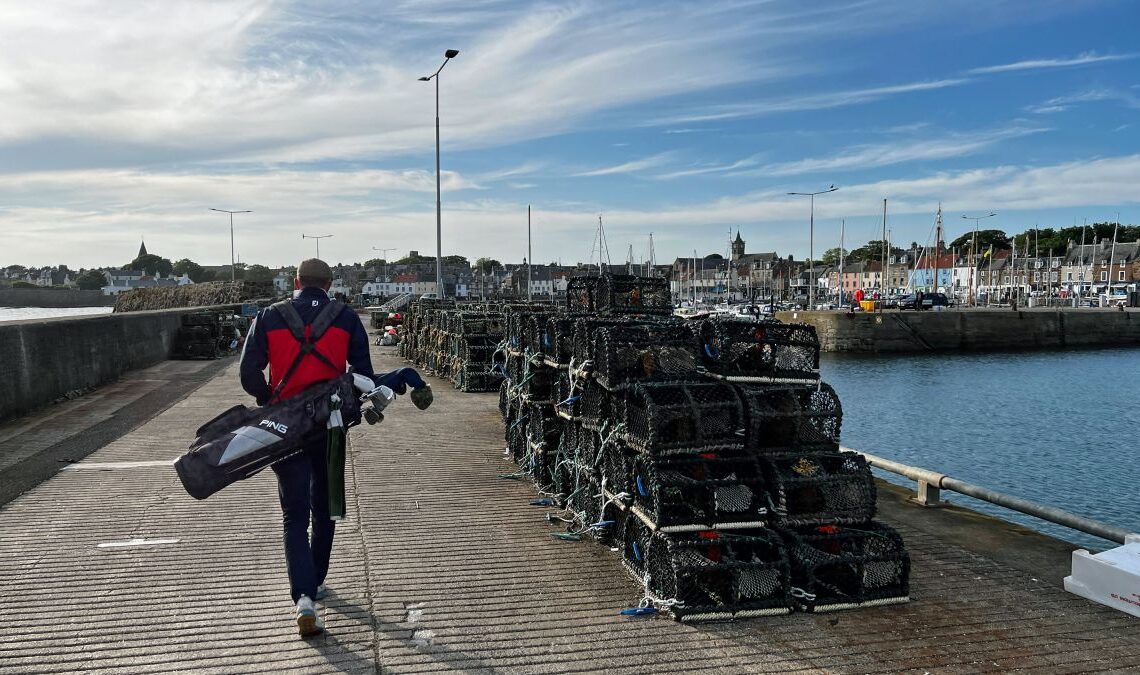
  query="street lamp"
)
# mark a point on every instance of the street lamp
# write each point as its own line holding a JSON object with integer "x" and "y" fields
{"x": 974, "y": 255}
{"x": 447, "y": 56}
{"x": 811, "y": 241}
{"x": 318, "y": 237}
{"x": 233, "y": 272}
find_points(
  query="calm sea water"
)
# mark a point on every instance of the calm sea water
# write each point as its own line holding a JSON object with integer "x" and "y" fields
{"x": 21, "y": 313}
{"x": 1059, "y": 428}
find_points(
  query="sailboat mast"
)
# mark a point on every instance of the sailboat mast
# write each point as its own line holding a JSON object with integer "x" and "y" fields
{"x": 883, "y": 266}
{"x": 842, "y": 225}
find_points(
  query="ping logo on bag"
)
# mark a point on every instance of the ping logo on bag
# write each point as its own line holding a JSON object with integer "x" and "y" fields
{"x": 276, "y": 426}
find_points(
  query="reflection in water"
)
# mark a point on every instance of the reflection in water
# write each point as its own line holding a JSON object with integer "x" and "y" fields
{"x": 1059, "y": 428}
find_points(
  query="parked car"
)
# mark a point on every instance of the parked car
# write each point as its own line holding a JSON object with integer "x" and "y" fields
{"x": 929, "y": 301}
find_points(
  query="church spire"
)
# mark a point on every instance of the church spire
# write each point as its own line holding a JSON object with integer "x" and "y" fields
{"x": 142, "y": 249}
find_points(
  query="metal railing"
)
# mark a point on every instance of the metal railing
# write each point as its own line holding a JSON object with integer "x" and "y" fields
{"x": 931, "y": 484}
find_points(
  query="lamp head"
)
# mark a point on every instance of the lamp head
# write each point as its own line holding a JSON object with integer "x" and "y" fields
{"x": 425, "y": 79}
{"x": 451, "y": 53}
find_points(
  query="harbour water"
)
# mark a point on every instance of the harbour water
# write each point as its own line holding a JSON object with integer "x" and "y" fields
{"x": 22, "y": 313}
{"x": 1061, "y": 428}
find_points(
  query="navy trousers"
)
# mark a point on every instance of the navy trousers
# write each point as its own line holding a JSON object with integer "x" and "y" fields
{"x": 302, "y": 485}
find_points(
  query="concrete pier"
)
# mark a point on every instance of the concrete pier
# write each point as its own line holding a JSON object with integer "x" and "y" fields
{"x": 109, "y": 566}
{"x": 970, "y": 329}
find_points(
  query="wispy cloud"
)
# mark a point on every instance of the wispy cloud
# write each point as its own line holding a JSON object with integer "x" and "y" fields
{"x": 1063, "y": 103}
{"x": 1038, "y": 64}
{"x": 871, "y": 156}
{"x": 823, "y": 101}
{"x": 633, "y": 166}
{"x": 712, "y": 168}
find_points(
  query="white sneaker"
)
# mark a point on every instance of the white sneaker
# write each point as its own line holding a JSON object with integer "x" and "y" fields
{"x": 308, "y": 623}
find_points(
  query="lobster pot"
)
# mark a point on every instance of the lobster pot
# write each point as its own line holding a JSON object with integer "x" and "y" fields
{"x": 635, "y": 353}
{"x": 580, "y": 293}
{"x": 819, "y": 488}
{"x": 533, "y": 331}
{"x": 791, "y": 418}
{"x": 516, "y": 368}
{"x": 568, "y": 397}
{"x": 628, "y": 294}
{"x": 540, "y": 384}
{"x": 683, "y": 417}
{"x": 504, "y": 398}
{"x": 615, "y": 461}
{"x": 481, "y": 323}
{"x": 516, "y": 434}
{"x": 761, "y": 350}
{"x": 717, "y": 575}
{"x": 558, "y": 338}
{"x": 584, "y": 330}
{"x": 542, "y": 428}
{"x": 701, "y": 492}
{"x": 477, "y": 379}
{"x": 477, "y": 348}
{"x": 844, "y": 567}
{"x": 635, "y": 546}
{"x": 596, "y": 405}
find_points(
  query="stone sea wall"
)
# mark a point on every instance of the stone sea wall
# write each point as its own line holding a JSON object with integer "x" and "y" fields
{"x": 970, "y": 330}
{"x": 193, "y": 295}
{"x": 45, "y": 359}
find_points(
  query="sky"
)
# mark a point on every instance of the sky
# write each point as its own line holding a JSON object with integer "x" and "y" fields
{"x": 129, "y": 120}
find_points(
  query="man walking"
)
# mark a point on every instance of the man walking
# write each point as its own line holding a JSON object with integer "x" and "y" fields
{"x": 304, "y": 341}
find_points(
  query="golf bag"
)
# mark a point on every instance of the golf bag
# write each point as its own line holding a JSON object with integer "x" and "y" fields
{"x": 242, "y": 441}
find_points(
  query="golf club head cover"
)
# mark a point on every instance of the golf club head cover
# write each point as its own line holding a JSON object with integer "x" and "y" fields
{"x": 398, "y": 380}
{"x": 422, "y": 397}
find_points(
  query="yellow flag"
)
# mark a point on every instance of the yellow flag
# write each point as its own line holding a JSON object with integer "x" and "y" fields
{"x": 989, "y": 252}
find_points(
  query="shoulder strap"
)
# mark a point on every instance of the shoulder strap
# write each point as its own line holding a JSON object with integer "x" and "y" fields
{"x": 296, "y": 324}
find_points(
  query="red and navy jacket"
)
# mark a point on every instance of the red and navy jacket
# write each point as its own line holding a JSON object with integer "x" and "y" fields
{"x": 270, "y": 343}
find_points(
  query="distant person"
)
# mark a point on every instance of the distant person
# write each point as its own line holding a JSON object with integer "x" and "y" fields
{"x": 918, "y": 301}
{"x": 303, "y": 478}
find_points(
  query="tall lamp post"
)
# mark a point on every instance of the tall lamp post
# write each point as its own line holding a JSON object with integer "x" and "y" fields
{"x": 447, "y": 56}
{"x": 974, "y": 255}
{"x": 233, "y": 271}
{"x": 318, "y": 237}
{"x": 811, "y": 241}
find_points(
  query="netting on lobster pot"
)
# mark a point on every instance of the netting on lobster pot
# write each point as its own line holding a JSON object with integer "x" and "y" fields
{"x": 765, "y": 349}
{"x": 819, "y": 488}
{"x": 568, "y": 391}
{"x": 515, "y": 433}
{"x": 539, "y": 382}
{"x": 580, "y": 292}
{"x": 683, "y": 416}
{"x": 791, "y": 417}
{"x": 709, "y": 575}
{"x": 633, "y": 353}
{"x": 558, "y": 338}
{"x": 544, "y": 429}
{"x": 838, "y": 567}
{"x": 636, "y": 537}
{"x": 504, "y": 398}
{"x": 628, "y": 294}
{"x": 699, "y": 492}
{"x": 615, "y": 462}
{"x": 584, "y": 332}
{"x": 596, "y": 404}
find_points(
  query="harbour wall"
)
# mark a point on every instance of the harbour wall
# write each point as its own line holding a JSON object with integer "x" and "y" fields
{"x": 970, "y": 330}
{"x": 45, "y": 297}
{"x": 42, "y": 360}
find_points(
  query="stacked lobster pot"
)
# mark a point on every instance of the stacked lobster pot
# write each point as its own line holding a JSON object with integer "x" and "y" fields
{"x": 706, "y": 453}
{"x": 458, "y": 343}
{"x": 527, "y": 395}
